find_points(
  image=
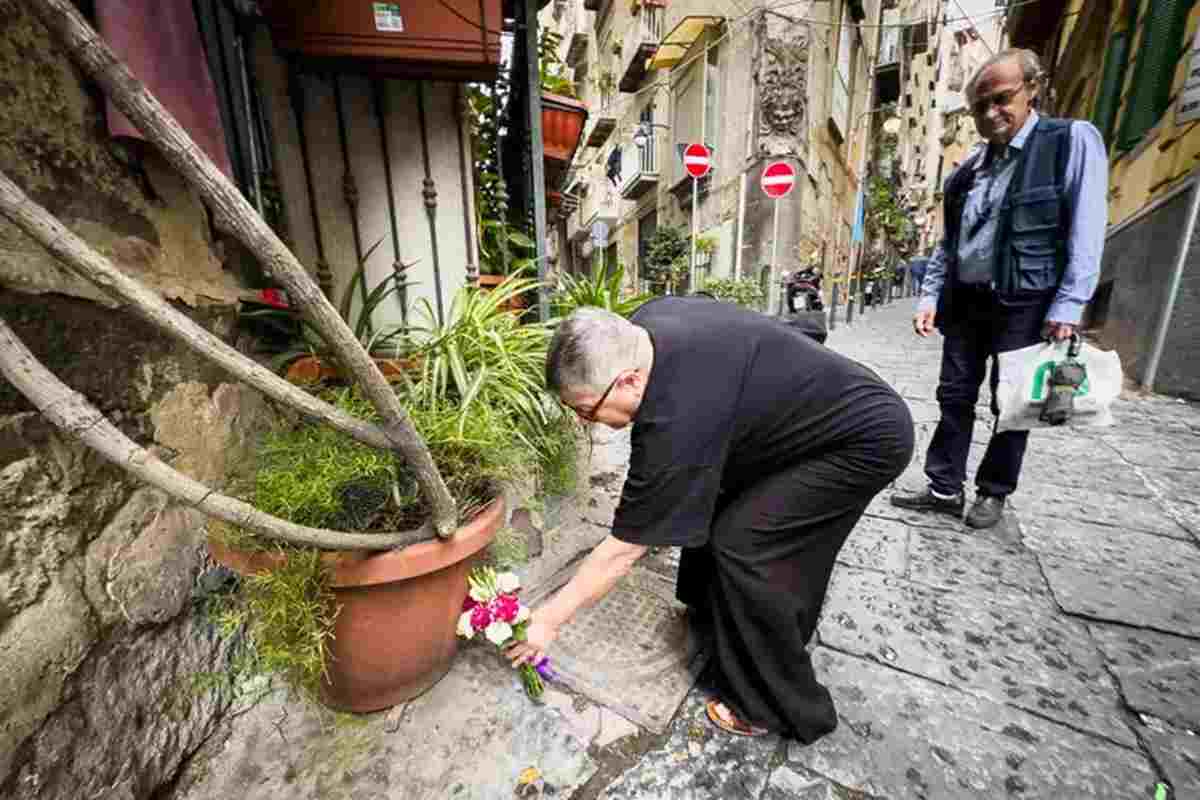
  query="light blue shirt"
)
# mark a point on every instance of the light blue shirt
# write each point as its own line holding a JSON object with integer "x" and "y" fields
{"x": 1086, "y": 197}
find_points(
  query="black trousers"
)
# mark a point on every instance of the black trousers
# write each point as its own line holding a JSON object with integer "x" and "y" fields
{"x": 982, "y": 327}
{"x": 761, "y": 578}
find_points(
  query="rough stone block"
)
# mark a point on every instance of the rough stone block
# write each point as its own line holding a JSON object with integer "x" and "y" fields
{"x": 1045, "y": 503}
{"x": 1112, "y": 548}
{"x": 1012, "y": 648}
{"x": 1179, "y": 756}
{"x": 878, "y": 544}
{"x": 953, "y": 559}
{"x": 1159, "y": 600}
{"x": 901, "y": 736}
{"x": 1159, "y": 674}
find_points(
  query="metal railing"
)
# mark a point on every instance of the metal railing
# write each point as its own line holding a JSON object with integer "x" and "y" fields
{"x": 645, "y": 29}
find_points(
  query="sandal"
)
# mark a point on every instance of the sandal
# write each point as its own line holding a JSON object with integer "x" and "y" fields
{"x": 721, "y": 716}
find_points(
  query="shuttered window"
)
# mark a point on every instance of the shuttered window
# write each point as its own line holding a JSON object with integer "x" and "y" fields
{"x": 1112, "y": 80}
{"x": 1162, "y": 43}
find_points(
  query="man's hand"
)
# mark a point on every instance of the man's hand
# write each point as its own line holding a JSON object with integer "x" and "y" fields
{"x": 538, "y": 636}
{"x": 1058, "y": 331}
{"x": 923, "y": 322}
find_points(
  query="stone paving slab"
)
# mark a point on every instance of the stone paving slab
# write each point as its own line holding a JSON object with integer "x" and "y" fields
{"x": 902, "y": 736}
{"x": 633, "y": 651}
{"x": 1179, "y": 756}
{"x": 1159, "y": 674}
{"x": 698, "y": 762}
{"x": 1111, "y": 547}
{"x": 961, "y": 558}
{"x": 1176, "y": 452}
{"x": 469, "y": 737}
{"x": 1164, "y": 602}
{"x": 878, "y": 544}
{"x": 1012, "y": 648}
{"x": 1036, "y": 502}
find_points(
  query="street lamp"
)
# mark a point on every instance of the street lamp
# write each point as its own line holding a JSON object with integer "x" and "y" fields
{"x": 643, "y": 132}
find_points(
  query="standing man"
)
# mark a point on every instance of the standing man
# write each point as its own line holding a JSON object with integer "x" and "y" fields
{"x": 756, "y": 450}
{"x": 1025, "y": 216}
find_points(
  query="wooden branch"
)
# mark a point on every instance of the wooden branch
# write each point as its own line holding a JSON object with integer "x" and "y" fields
{"x": 85, "y": 262}
{"x": 77, "y": 418}
{"x": 129, "y": 95}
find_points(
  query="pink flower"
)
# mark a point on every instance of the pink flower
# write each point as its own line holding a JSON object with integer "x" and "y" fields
{"x": 481, "y": 617}
{"x": 505, "y": 608}
{"x": 469, "y": 603}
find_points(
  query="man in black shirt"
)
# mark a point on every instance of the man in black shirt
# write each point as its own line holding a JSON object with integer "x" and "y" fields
{"x": 756, "y": 450}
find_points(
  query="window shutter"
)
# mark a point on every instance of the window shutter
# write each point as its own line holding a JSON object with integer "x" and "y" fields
{"x": 1112, "y": 79}
{"x": 1163, "y": 27}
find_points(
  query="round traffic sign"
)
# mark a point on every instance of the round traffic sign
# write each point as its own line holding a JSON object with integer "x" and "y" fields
{"x": 777, "y": 179}
{"x": 697, "y": 160}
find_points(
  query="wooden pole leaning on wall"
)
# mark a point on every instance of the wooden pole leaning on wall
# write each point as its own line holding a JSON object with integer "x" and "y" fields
{"x": 97, "y": 60}
{"x": 72, "y": 413}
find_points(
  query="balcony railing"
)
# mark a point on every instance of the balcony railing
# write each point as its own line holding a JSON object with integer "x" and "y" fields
{"x": 604, "y": 121}
{"x": 601, "y": 204}
{"x": 639, "y": 45}
{"x": 639, "y": 168}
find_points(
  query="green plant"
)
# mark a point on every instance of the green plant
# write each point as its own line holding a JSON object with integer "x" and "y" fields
{"x": 606, "y": 82}
{"x": 743, "y": 291}
{"x": 706, "y": 245}
{"x": 552, "y": 72}
{"x": 667, "y": 255}
{"x": 503, "y": 250}
{"x": 595, "y": 289}
{"x": 385, "y": 342}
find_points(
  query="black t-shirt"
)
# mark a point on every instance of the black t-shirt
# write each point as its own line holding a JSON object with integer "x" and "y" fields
{"x": 733, "y": 396}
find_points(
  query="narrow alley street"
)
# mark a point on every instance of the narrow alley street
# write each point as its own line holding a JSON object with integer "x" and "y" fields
{"x": 1055, "y": 656}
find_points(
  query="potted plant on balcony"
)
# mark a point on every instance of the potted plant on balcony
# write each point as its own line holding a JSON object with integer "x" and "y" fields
{"x": 357, "y": 631}
{"x": 563, "y": 115}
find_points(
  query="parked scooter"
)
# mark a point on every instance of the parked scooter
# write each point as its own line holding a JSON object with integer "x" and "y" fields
{"x": 804, "y": 291}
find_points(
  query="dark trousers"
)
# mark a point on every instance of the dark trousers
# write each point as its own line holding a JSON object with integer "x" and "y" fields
{"x": 982, "y": 327}
{"x": 761, "y": 578}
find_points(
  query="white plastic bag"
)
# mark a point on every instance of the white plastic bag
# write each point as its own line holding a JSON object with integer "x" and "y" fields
{"x": 1025, "y": 385}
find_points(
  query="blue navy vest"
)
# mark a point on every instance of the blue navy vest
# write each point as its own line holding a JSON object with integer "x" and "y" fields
{"x": 1031, "y": 234}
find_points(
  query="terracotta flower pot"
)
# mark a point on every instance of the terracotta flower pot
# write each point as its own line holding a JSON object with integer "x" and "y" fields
{"x": 315, "y": 369}
{"x": 394, "y": 636}
{"x": 562, "y": 126}
{"x": 489, "y": 282}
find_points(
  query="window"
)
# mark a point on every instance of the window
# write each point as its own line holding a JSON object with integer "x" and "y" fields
{"x": 712, "y": 95}
{"x": 1159, "y": 49}
{"x": 687, "y": 107}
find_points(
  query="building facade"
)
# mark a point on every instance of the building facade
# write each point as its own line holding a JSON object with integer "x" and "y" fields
{"x": 755, "y": 85}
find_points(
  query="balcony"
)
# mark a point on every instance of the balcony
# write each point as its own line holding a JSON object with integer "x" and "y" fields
{"x": 639, "y": 168}
{"x": 577, "y": 47}
{"x": 639, "y": 45}
{"x": 601, "y": 204}
{"x": 604, "y": 122}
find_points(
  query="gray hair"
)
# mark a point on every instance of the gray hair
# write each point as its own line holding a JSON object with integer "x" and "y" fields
{"x": 589, "y": 349}
{"x": 1027, "y": 60}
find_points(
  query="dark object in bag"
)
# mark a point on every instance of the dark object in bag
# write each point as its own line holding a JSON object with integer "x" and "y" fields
{"x": 1065, "y": 381}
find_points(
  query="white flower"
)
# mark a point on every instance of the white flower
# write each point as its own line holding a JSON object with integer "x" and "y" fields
{"x": 522, "y": 615}
{"x": 498, "y": 632}
{"x": 507, "y": 582}
{"x": 480, "y": 594}
{"x": 465, "y": 629}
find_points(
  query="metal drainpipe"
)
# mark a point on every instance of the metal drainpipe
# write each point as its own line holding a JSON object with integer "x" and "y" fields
{"x": 464, "y": 165}
{"x": 537, "y": 148}
{"x": 1164, "y": 324}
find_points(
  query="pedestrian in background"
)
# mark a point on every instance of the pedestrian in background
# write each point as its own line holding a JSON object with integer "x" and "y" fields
{"x": 1025, "y": 216}
{"x": 756, "y": 450}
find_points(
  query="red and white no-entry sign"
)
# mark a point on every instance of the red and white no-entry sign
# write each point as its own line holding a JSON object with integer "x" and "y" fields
{"x": 697, "y": 160}
{"x": 777, "y": 179}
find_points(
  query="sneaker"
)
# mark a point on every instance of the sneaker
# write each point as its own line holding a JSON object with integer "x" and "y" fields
{"x": 986, "y": 511}
{"x": 926, "y": 500}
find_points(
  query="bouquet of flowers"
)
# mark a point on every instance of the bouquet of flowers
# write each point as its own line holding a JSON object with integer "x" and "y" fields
{"x": 492, "y": 608}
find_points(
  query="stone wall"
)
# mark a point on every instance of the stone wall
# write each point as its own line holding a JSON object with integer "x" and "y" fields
{"x": 100, "y": 637}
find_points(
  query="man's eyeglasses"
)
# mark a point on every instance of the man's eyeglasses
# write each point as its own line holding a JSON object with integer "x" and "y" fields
{"x": 590, "y": 414}
{"x": 1000, "y": 99}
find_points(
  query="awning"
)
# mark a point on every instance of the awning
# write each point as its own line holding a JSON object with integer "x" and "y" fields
{"x": 676, "y": 44}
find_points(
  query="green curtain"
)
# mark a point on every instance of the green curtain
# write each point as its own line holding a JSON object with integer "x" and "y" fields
{"x": 1112, "y": 80}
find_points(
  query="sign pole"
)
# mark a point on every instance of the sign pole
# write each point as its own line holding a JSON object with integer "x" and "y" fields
{"x": 774, "y": 252}
{"x": 692, "y": 262}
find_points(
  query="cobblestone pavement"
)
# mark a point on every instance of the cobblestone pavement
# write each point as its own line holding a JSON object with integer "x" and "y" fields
{"x": 1055, "y": 656}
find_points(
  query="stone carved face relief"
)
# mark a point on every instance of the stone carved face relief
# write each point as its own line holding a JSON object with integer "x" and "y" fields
{"x": 783, "y": 89}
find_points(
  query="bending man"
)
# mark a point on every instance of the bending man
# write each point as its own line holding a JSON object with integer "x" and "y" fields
{"x": 756, "y": 450}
